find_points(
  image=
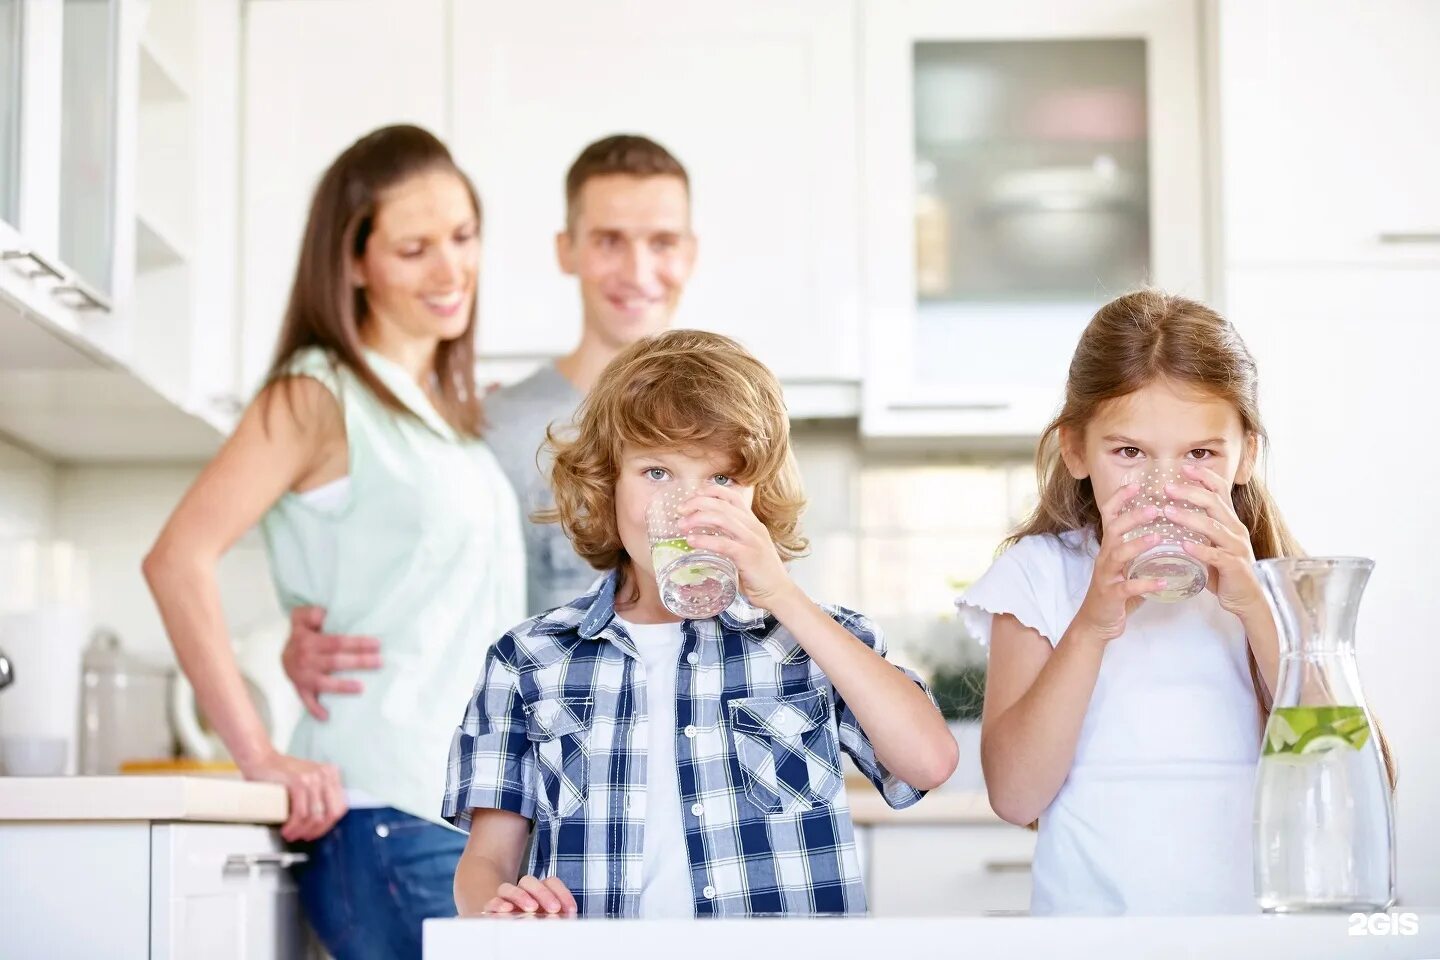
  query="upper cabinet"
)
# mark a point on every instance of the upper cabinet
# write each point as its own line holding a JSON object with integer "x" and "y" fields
{"x": 118, "y": 218}
{"x": 1023, "y": 163}
{"x": 1317, "y": 163}
{"x": 756, "y": 97}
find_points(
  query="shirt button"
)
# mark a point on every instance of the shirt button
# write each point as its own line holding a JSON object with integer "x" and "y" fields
{"x": 692, "y": 658}
{"x": 382, "y": 831}
{"x": 690, "y": 731}
{"x": 698, "y": 809}
{"x": 709, "y": 893}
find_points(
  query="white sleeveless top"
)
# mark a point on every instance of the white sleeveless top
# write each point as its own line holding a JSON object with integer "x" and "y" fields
{"x": 1155, "y": 816}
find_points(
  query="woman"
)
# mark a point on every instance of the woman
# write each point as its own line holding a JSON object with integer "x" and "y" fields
{"x": 361, "y": 461}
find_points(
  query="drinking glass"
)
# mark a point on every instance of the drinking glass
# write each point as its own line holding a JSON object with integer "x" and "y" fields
{"x": 694, "y": 583}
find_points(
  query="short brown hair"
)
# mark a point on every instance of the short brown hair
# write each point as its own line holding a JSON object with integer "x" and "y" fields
{"x": 683, "y": 390}
{"x": 627, "y": 154}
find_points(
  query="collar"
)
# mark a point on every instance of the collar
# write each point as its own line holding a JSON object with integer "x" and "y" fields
{"x": 592, "y": 617}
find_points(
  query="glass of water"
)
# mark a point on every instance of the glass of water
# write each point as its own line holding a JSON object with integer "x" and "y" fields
{"x": 1184, "y": 576}
{"x": 694, "y": 583}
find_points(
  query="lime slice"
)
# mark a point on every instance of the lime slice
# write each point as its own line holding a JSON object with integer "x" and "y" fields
{"x": 1348, "y": 725}
{"x": 674, "y": 543}
{"x": 1300, "y": 719}
{"x": 1324, "y": 743}
{"x": 1280, "y": 733}
{"x": 667, "y": 552}
{"x": 691, "y": 576}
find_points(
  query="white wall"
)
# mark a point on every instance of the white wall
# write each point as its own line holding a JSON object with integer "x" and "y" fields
{"x": 27, "y": 494}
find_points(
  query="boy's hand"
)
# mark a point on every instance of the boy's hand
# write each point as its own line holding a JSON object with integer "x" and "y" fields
{"x": 311, "y": 656}
{"x": 743, "y": 540}
{"x": 531, "y": 895}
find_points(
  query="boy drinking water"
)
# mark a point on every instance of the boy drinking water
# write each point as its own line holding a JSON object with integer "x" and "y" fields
{"x": 682, "y": 767}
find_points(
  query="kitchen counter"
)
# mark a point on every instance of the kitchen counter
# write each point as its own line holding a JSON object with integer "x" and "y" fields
{"x": 1328, "y": 936}
{"x": 938, "y": 808}
{"x": 155, "y": 798}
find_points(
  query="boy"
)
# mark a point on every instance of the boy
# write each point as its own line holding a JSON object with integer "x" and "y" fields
{"x": 682, "y": 768}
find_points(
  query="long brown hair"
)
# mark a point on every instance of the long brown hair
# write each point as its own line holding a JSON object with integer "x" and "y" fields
{"x": 1130, "y": 343}
{"x": 327, "y": 310}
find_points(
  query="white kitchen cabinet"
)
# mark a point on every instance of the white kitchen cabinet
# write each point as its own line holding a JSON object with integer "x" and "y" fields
{"x": 755, "y": 97}
{"x": 318, "y": 76}
{"x": 163, "y": 891}
{"x": 932, "y": 870}
{"x": 1023, "y": 163}
{"x": 1329, "y": 145}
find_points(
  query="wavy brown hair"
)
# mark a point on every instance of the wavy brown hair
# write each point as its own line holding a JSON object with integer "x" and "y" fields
{"x": 681, "y": 390}
{"x": 327, "y": 310}
{"x": 1130, "y": 343}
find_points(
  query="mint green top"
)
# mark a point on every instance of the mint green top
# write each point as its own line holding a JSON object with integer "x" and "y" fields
{"x": 426, "y": 555}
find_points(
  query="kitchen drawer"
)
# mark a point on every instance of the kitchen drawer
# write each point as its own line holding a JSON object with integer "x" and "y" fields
{"x": 222, "y": 891}
{"x": 961, "y": 870}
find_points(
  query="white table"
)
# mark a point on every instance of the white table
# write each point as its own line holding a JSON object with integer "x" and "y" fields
{"x": 1316, "y": 937}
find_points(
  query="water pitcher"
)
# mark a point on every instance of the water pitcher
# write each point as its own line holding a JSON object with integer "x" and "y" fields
{"x": 1324, "y": 817}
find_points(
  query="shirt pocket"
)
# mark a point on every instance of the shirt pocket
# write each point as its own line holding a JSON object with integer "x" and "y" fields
{"x": 787, "y": 749}
{"x": 559, "y": 732}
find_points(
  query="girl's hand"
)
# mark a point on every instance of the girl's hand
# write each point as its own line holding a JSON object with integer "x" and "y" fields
{"x": 532, "y": 895}
{"x": 1232, "y": 558}
{"x": 1111, "y": 596}
{"x": 743, "y": 539}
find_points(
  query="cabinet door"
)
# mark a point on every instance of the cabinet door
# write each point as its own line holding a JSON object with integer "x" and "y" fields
{"x": 755, "y": 97}
{"x": 1328, "y": 140}
{"x": 222, "y": 890}
{"x": 318, "y": 76}
{"x": 964, "y": 870}
{"x": 1023, "y": 163}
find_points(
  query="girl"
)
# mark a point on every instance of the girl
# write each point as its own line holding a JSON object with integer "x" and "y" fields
{"x": 361, "y": 462}
{"x": 1131, "y": 729}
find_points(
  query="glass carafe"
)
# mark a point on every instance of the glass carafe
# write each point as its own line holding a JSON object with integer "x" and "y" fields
{"x": 1324, "y": 818}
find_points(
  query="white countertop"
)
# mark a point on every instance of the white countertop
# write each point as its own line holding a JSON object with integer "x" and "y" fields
{"x": 937, "y": 808}
{"x": 1315, "y": 937}
{"x": 208, "y": 799}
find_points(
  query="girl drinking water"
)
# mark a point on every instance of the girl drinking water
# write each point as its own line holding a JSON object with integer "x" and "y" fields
{"x": 1130, "y": 728}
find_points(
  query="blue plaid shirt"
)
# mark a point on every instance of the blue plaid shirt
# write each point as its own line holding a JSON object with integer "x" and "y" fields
{"x": 556, "y": 732}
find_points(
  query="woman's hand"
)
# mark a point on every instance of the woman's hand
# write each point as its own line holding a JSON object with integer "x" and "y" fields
{"x": 311, "y": 656}
{"x": 1111, "y": 596}
{"x": 1232, "y": 558}
{"x": 532, "y": 895}
{"x": 317, "y": 799}
{"x": 743, "y": 539}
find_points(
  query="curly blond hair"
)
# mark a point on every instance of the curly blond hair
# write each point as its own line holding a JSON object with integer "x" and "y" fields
{"x": 682, "y": 390}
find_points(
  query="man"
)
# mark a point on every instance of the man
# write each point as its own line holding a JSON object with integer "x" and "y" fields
{"x": 628, "y": 241}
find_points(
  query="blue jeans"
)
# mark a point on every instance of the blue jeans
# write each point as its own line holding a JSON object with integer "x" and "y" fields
{"x": 373, "y": 878}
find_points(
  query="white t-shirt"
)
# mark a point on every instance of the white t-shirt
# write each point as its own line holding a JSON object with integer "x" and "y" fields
{"x": 665, "y": 890}
{"x": 1155, "y": 816}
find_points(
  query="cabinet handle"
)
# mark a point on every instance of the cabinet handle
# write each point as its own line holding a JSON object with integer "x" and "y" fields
{"x": 89, "y": 300}
{"x": 46, "y": 268}
{"x": 227, "y": 403}
{"x": 255, "y": 861}
{"x": 1400, "y": 238}
{"x": 1007, "y": 866}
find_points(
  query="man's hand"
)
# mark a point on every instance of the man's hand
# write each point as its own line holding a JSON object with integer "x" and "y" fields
{"x": 311, "y": 657}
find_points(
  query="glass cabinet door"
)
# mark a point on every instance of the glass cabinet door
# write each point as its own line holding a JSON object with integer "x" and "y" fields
{"x": 87, "y": 140}
{"x": 1031, "y": 170}
{"x": 10, "y": 79}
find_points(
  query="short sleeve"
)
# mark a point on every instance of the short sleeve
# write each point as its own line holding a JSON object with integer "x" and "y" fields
{"x": 315, "y": 364}
{"x": 853, "y": 739}
{"x": 491, "y": 763}
{"x": 1023, "y": 582}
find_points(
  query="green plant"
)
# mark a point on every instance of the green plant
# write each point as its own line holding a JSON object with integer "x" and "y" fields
{"x": 960, "y": 690}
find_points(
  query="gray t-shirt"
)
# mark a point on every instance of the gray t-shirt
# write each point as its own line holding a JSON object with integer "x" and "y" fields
{"x": 519, "y": 415}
